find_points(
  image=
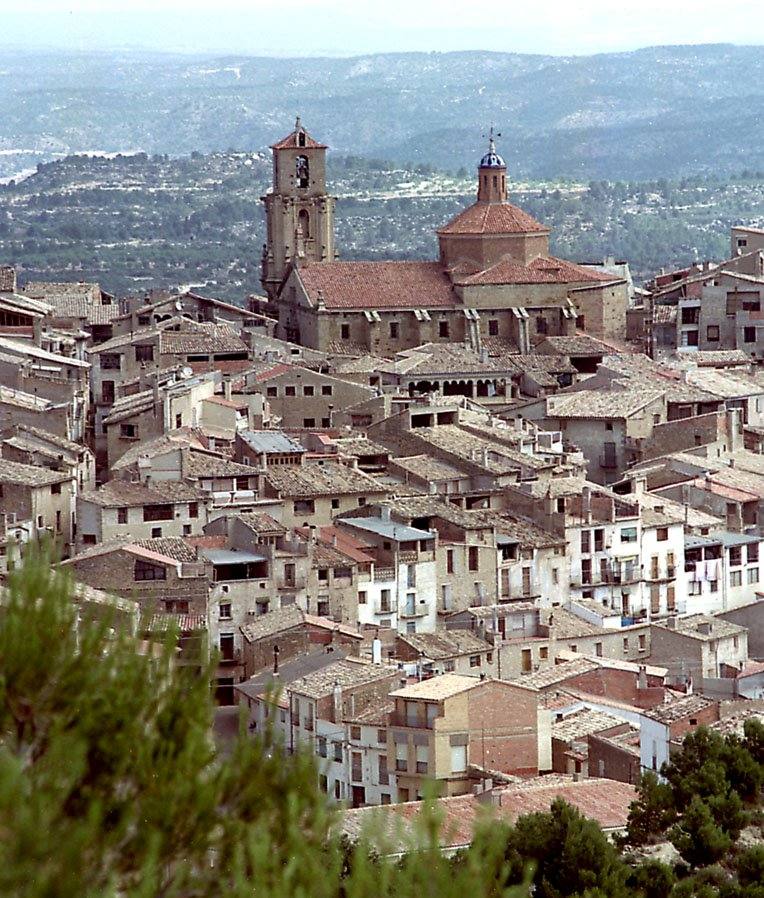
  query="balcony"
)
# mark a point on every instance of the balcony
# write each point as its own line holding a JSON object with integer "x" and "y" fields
{"x": 291, "y": 583}
{"x": 383, "y": 608}
{"x": 233, "y": 657}
{"x": 416, "y": 611}
{"x": 384, "y": 574}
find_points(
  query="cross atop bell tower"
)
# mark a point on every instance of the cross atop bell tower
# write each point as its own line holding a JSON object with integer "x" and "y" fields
{"x": 299, "y": 213}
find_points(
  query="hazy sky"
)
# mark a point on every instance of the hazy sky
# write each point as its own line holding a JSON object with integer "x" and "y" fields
{"x": 342, "y": 27}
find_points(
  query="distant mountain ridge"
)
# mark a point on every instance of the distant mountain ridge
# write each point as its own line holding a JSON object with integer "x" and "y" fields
{"x": 657, "y": 112}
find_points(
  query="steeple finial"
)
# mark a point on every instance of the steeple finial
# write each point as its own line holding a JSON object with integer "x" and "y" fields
{"x": 492, "y": 135}
{"x": 297, "y": 124}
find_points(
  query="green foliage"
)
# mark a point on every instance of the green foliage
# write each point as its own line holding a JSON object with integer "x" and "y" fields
{"x": 653, "y": 879}
{"x": 571, "y": 854}
{"x": 697, "y": 838}
{"x": 652, "y": 812}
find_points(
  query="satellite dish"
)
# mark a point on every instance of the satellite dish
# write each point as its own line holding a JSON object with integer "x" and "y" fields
{"x": 186, "y": 372}
{"x": 178, "y": 305}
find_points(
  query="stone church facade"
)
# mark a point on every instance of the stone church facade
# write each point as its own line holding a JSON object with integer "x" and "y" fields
{"x": 494, "y": 288}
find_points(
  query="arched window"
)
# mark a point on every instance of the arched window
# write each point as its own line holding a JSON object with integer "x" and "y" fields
{"x": 303, "y": 224}
{"x": 302, "y": 172}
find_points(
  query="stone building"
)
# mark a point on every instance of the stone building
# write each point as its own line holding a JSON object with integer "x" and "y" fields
{"x": 494, "y": 284}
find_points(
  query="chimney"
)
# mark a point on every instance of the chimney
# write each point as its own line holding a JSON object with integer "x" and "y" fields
{"x": 227, "y": 389}
{"x": 384, "y": 513}
{"x": 312, "y": 534}
{"x": 8, "y": 278}
{"x": 376, "y": 650}
{"x": 485, "y": 458}
{"x": 733, "y": 429}
{"x": 642, "y": 679}
{"x": 705, "y": 628}
{"x": 639, "y": 485}
{"x": 586, "y": 504}
{"x": 337, "y": 702}
{"x": 671, "y": 622}
{"x": 276, "y": 651}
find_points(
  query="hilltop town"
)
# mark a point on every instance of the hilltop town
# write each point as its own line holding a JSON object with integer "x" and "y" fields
{"x": 492, "y": 519}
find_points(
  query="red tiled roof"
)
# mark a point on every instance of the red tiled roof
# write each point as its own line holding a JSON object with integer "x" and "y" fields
{"x": 493, "y": 218}
{"x": 542, "y": 270}
{"x": 378, "y": 285}
{"x": 290, "y": 142}
{"x": 277, "y": 369}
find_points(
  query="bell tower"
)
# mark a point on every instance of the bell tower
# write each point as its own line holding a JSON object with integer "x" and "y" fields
{"x": 299, "y": 214}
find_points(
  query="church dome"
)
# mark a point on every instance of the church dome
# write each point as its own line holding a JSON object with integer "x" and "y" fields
{"x": 492, "y": 160}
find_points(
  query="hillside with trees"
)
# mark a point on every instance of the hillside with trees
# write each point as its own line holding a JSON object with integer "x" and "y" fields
{"x": 137, "y": 222}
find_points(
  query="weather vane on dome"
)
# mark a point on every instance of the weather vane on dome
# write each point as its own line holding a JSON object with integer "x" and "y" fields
{"x": 492, "y": 135}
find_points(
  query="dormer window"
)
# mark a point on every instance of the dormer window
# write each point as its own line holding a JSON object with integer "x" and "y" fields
{"x": 300, "y": 138}
{"x": 302, "y": 171}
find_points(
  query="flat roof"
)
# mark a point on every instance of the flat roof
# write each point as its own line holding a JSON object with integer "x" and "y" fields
{"x": 391, "y": 529}
{"x": 230, "y": 556}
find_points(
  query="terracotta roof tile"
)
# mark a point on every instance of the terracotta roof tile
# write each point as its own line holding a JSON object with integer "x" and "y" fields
{"x": 377, "y": 285}
{"x": 542, "y": 270}
{"x": 291, "y": 141}
{"x": 493, "y": 218}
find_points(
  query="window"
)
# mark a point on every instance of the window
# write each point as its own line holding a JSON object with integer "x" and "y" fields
{"x": 157, "y": 512}
{"x": 642, "y": 642}
{"x": 326, "y": 390}
{"x": 308, "y": 390}
{"x": 321, "y": 746}
{"x": 736, "y": 556}
{"x": 753, "y": 575}
{"x": 176, "y": 606}
{"x": 384, "y": 797}
{"x": 290, "y": 391}
{"x": 335, "y": 504}
{"x": 749, "y": 334}
{"x": 401, "y": 756}
{"x": 121, "y": 515}
{"x": 355, "y": 733}
{"x": 473, "y": 560}
{"x": 384, "y": 776}
{"x": 384, "y": 600}
{"x": 144, "y": 353}
{"x": 493, "y": 327}
{"x": 458, "y": 758}
{"x": 626, "y": 643}
{"x": 156, "y": 532}
{"x": 474, "y": 660}
{"x": 422, "y": 758}
{"x": 128, "y": 431}
{"x": 662, "y": 535}
{"x": 224, "y": 611}
{"x": 544, "y": 653}
{"x": 450, "y": 561}
{"x": 586, "y": 570}
{"x": 712, "y": 333}
{"x": 443, "y": 329}
{"x": 753, "y": 552}
{"x": 301, "y": 172}
{"x": 110, "y": 361}
{"x": 394, "y": 330}
{"x": 598, "y": 649}
{"x": 736, "y": 578}
{"x": 308, "y": 422}
{"x": 345, "y": 331}
{"x": 561, "y": 506}
{"x": 585, "y": 542}
{"x": 88, "y": 539}
{"x": 193, "y": 509}
{"x": 628, "y": 534}
{"x": 144, "y": 570}
{"x": 304, "y": 506}
{"x": 272, "y": 392}
{"x": 382, "y": 738}
{"x": 361, "y": 598}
